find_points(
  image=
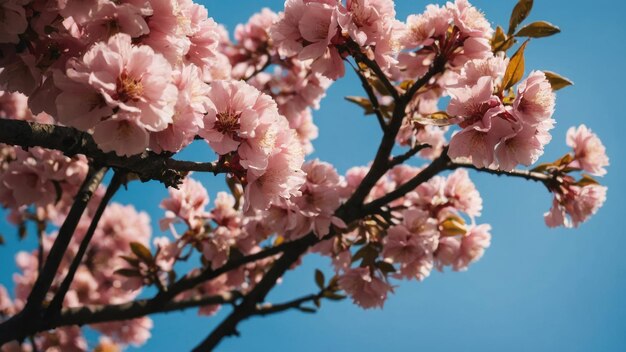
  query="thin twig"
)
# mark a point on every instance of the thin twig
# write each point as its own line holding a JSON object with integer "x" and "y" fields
{"x": 548, "y": 180}
{"x": 397, "y": 160}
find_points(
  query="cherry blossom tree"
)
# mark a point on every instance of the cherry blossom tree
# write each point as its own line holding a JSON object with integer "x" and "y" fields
{"x": 97, "y": 87}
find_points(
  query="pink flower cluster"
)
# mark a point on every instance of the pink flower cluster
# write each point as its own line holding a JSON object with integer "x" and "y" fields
{"x": 432, "y": 234}
{"x": 45, "y": 179}
{"x": 96, "y": 281}
{"x": 130, "y": 72}
{"x": 293, "y": 84}
{"x": 493, "y": 134}
{"x": 317, "y": 31}
{"x": 574, "y": 202}
{"x": 243, "y": 126}
{"x": 313, "y": 210}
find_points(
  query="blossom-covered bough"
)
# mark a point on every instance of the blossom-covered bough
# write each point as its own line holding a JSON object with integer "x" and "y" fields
{"x": 98, "y": 86}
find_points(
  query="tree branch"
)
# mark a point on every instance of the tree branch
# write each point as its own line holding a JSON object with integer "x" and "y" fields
{"x": 19, "y": 322}
{"x": 55, "y": 306}
{"x": 397, "y": 160}
{"x": 248, "y": 306}
{"x": 293, "y": 304}
{"x": 548, "y": 180}
{"x": 148, "y": 165}
{"x": 373, "y": 99}
{"x": 381, "y": 162}
{"x": 439, "y": 164}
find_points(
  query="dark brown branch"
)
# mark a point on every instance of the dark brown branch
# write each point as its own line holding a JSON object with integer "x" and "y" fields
{"x": 373, "y": 99}
{"x": 148, "y": 165}
{"x": 55, "y": 306}
{"x": 438, "y": 66}
{"x": 372, "y": 65}
{"x": 548, "y": 180}
{"x": 440, "y": 164}
{"x": 381, "y": 163}
{"x": 248, "y": 306}
{"x": 293, "y": 304}
{"x": 397, "y": 160}
{"x": 136, "y": 309}
{"x": 19, "y": 323}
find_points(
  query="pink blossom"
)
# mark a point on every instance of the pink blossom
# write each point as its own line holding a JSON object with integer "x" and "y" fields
{"x": 573, "y": 205}
{"x": 462, "y": 193}
{"x": 366, "y": 289}
{"x": 170, "y": 28}
{"x": 203, "y": 49}
{"x": 283, "y": 176}
{"x": 366, "y": 21}
{"x": 121, "y": 135}
{"x": 101, "y": 19}
{"x": 415, "y": 238}
{"x": 474, "y": 103}
{"x": 525, "y": 147}
{"x": 589, "y": 152}
{"x": 473, "y": 246}
{"x": 132, "y": 79}
{"x": 423, "y": 28}
{"x": 167, "y": 253}
{"x": 33, "y": 177}
{"x": 236, "y": 109}
{"x": 447, "y": 252}
{"x": 187, "y": 203}
{"x": 305, "y": 129}
{"x": 478, "y": 142}
{"x": 474, "y": 70}
{"x": 253, "y": 49}
{"x": 306, "y": 29}
{"x": 470, "y": 20}
{"x": 189, "y": 112}
{"x": 535, "y": 99}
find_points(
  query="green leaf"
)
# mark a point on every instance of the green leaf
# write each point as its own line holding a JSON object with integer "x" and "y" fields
{"x": 141, "y": 251}
{"x": 538, "y": 29}
{"x": 557, "y": 81}
{"x": 519, "y": 14}
{"x": 319, "y": 278}
{"x": 365, "y": 103}
{"x": 515, "y": 71}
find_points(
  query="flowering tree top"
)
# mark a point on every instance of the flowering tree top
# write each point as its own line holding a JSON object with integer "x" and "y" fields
{"x": 97, "y": 86}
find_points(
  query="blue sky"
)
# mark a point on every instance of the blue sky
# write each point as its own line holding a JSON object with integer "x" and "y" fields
{"x": 535, "y": 289}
